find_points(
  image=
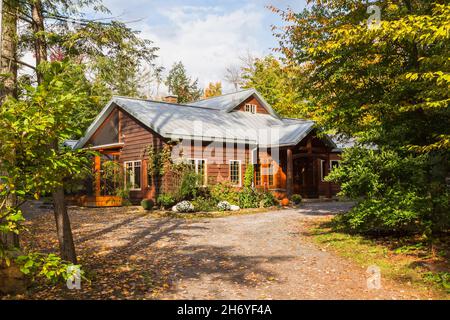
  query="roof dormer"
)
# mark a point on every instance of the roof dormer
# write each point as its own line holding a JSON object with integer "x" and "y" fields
{"x": 249, "y": 101}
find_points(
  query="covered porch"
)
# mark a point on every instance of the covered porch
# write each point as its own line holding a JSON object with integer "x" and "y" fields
{"x": 307, "y": 164}
{"x": 106, "y": 179}
{"x": 301, "y": 169}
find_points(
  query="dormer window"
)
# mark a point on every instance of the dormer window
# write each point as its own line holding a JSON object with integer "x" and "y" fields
{"x": 250, "y": 108}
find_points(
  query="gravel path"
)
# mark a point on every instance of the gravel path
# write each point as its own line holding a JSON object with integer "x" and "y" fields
{"x": 133, "y": 255}
{"x": 263, "y": 256}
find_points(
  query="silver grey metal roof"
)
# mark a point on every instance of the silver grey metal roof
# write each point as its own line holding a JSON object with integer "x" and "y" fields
{"x": 228, "y": 102}
{"x": 224, "y": 102}
{"x": 342, "y": 142}
{"x": 70, "y": 143}
{"x": 207, "y": 123}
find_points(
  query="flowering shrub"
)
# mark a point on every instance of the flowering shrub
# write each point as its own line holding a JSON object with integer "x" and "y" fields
{"x": 49, "y": 267}
{"x": 224, "y": 206}
{"x": 185, "y": 206}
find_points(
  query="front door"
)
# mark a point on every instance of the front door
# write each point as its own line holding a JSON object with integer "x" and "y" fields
{"x": 305, "y": 180}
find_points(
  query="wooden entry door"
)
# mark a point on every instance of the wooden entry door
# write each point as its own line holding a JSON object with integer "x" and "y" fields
{"x": 305, "y": 177}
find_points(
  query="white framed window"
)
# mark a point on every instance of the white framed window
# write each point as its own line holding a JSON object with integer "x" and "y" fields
{"x": 200, "y": 168}
{"x": 133, "y": 174}
{"x": 257, "y": 174}
{"x": 322, "y": 170}
{"x": 334, "y": 164}
{"x": 235, "y": 172}
{"x": 251, "y": 108}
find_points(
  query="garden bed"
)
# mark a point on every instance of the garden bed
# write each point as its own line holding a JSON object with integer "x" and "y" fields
{"x": 211, "y": 214}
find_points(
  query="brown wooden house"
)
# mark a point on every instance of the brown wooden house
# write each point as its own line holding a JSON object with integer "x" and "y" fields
{"x": 220, "y": 136}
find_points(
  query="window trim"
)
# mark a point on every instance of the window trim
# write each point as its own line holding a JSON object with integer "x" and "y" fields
{"x": 322, "y": 173}
{"x": 254, "y": 153}
{"x": 270, "y": 176}
{"x": 196, "y": 160}
{"x": 252, "y": 108}
{"x": 240, "y": 172}
{"x": 133, "y": 166}
{"x": 331, "y": 163}
{"x": 258, "y": 182}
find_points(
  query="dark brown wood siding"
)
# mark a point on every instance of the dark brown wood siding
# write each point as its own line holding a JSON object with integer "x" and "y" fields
{"x": 136, "y": 138}
{"x": 218, "y": 159}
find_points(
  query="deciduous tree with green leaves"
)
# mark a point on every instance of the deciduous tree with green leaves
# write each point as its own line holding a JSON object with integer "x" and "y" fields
{"x": 111, "y": 54}
{"x": 28, "y": 125}
{"x": 387, "y": 85}
{"x": 276, "y": 83}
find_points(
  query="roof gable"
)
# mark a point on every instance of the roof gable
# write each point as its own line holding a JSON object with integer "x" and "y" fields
{"x": 252, "y": 100}
{"x": 229, "y": 102}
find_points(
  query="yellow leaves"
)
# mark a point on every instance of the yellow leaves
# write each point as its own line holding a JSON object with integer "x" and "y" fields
{"x": 368, "y": 120}
{"x": 392, "y": 7}
{"x": 412, "y": 76}
{"x": 427, "y": 105}
{"x": 441, "y": 78}
{"x": 442, "y": 143}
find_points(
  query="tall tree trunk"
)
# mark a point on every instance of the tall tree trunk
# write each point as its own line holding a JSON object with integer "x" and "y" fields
{"x": 65, "y": 238}
{"x": 8, "y": 71}
{"x": 66, "y": 245}
{"x": 8, "y": 48}
{"x": 40, "y": 43}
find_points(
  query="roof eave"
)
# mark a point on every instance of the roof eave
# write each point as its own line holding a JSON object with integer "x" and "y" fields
{"x": 106, "y": 111}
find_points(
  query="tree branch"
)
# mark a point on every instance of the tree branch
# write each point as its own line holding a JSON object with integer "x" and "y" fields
{"x": 19, "y": 62}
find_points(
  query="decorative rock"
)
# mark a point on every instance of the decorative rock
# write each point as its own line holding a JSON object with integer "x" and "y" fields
{"x": 235, "y": 208}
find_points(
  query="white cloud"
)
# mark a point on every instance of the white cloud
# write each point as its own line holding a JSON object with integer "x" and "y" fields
{"x": 206, "y": 39}
{"x": 206, "y": 35}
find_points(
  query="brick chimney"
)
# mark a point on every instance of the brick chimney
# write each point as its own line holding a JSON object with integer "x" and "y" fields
{"x": 171, "y": 99}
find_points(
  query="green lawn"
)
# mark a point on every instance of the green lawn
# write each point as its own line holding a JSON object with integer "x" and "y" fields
{"x": 409, "y": 260}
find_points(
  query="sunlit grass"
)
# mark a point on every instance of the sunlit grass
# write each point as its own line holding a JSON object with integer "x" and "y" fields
{"x": 408, "y": 263}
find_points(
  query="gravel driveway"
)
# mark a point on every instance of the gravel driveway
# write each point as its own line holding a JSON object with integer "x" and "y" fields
{"x": 132, "y": 255}
{"x": 263, "y": 256}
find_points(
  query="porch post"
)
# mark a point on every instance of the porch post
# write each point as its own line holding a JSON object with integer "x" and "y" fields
{"x": 97, "y": 169}
{"x": 290, "y": 173}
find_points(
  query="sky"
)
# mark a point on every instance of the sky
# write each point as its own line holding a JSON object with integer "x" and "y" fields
{"x": 207, "y": 36}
